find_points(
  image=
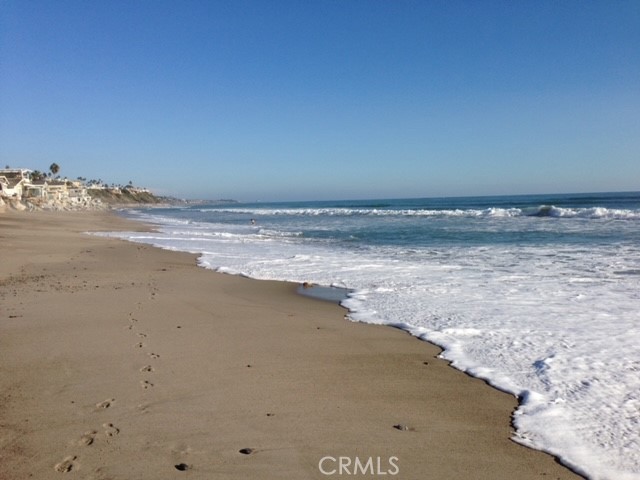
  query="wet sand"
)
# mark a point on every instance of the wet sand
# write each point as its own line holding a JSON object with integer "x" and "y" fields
{"x": 123, "y": 361}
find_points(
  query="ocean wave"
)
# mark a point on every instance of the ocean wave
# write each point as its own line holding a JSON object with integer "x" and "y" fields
{"x": 492, "y": 212}
{"x": 591, "y": 212}
{"x": 278, "y": 233}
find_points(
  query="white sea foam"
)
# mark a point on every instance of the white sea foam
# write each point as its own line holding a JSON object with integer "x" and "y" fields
{"x": 558, "y": 327}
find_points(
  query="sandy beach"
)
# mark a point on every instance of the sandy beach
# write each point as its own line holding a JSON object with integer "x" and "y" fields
{"x": 123, "y": 361}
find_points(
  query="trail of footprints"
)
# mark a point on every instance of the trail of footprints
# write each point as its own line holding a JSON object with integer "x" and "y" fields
{"x": 69, "y": 463}
{"x": 145, "y": 384}
{"x": 109, "y": 430}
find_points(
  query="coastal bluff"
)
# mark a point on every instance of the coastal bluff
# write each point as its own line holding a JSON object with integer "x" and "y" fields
{"x": 26, "y": 189}
{"x": 102, "y": 199}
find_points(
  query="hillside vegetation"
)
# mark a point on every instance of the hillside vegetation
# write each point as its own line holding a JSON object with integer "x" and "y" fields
{"x": 125, "y": 196}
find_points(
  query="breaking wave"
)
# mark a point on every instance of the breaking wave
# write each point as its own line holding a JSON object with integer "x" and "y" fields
{"x": 539, "y": 211}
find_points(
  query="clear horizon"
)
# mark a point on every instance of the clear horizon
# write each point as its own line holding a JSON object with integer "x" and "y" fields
{"x": 443, "y": 197}
{"x": 284, "y": 100}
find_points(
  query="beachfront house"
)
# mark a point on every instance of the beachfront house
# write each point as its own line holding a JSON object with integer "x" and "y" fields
{"x": 16, "y": 183}
{"x": 64, "y": 190}
{"x": 78, "y": 192}
{"x": 57, "y": 190}
{"x": 37, "y": 189}
{"x": 13, "y": 182}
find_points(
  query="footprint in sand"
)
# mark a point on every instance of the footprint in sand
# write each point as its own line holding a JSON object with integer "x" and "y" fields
{"x": 146, "y": 384}
{"x": 139, "y": 345}
{"x": 105, "y": 403}
{"x": 66, "y": 465}
{"x": 142, "y": 335}
{"x": 403, "y": 428}
{"x": 147, "y": 368}
{"x": 154, "y": 355}
{"x": 110, "y": 430}
{"x": 88, "y": 438}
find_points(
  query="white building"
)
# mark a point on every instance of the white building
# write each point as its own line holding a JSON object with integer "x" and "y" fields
{"x": 13, "y": 182}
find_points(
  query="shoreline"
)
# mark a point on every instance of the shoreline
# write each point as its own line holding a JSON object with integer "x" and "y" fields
{"x": 123, "y": 360}
{"x": 321, "y": 292}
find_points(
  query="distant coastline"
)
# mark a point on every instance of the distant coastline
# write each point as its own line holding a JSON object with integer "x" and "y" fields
{"x": 26, "y": 189}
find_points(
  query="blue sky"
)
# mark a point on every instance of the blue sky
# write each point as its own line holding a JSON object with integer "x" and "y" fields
{"x": 328, "y": 99}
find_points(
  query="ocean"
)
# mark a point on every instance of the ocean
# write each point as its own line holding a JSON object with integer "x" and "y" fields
{"x": 538, "y": 294}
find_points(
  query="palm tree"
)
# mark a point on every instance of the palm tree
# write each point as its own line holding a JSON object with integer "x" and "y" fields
{"x": 54, "y": 168}
{"x": 37, "y": 175}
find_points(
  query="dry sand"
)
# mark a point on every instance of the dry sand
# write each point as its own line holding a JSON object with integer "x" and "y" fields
{"x": 122, "y": 361}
